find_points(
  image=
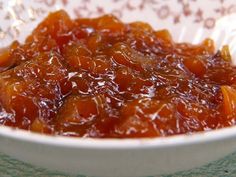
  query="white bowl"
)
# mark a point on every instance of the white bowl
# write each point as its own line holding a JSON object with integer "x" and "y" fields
{"x": 118, "y": 157}
{"x": 191, "y": 22}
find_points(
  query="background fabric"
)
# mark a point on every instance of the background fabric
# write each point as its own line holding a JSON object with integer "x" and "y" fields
{"x": 9, "y": 167}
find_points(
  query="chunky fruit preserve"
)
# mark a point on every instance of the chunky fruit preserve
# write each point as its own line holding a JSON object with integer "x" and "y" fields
{"x": 105, "y": 79}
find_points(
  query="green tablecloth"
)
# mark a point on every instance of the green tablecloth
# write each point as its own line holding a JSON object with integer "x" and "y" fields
{"x": 12, "y": 168}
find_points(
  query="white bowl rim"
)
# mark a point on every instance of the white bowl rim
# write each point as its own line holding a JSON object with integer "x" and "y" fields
{"x": 118, "y": 144}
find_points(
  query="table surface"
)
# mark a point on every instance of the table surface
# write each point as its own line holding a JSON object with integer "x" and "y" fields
{"x": 225, "y": 167}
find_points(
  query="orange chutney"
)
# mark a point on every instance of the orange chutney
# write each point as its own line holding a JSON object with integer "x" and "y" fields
{"x": 106, "y": 79}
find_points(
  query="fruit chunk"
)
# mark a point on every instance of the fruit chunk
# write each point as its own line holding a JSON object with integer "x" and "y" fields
{"x": 196, "y": 66}
{"x": 79, "y": 111}
{"x": 139, "y": 117}
{"x": 5, "y": 61}
{"x": 164, "y": 35}
{"x": 229, "y": 101}
{"x": 57, "y": 26}
{"x": 40, "y": 126}
{"x": 124, "y": 55}
{"x": 130, "y": 85}
{"x": 209, "y": 45}
{"x": 83, "y": 116}
{"x": 141, "y": 25}
{"x": 34, "y": 89}
{"x": 225, "y": 53}
{"x": 110, "y": 24}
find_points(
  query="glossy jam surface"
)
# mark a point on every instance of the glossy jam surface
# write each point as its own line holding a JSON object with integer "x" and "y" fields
{"x": 103, "y": 78}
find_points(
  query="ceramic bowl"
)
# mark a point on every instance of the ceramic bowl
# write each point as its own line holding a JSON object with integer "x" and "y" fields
{"x": 189, "y": 21}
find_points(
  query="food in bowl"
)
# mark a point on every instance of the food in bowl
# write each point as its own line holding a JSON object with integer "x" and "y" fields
{"x": 102, "y": 78}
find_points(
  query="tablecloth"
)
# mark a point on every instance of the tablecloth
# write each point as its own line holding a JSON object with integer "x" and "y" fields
{"x": 9, "y": 167}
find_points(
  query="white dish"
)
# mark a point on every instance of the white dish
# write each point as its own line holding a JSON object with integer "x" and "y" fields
{"x": 189, "y": 22}
{"x": 118, "y": 158}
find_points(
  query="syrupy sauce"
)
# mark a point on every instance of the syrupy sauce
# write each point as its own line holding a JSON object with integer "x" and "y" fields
{"x": 106, "y": 79}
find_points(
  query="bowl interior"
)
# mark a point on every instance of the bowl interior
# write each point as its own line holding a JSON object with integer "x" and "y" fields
{"x": 190, "y": 21}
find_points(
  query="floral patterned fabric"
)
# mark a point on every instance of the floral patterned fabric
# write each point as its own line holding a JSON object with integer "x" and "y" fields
{"x": 9, "y": 167}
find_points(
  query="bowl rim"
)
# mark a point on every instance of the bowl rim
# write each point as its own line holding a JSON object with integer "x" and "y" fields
{"x": 118, "y": 144}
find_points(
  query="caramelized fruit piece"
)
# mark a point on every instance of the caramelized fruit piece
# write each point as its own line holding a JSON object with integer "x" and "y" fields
{"x": 139, "y": 117}
{"x": 196, "y": 66}
{"x": 229, "y": 95}
{"x": 164, "y": 35}
{"x": 34, "y": 89}
{"x": 5, "y": 61}
{"x": 209, "y": 45}
{"x": 56, "y": 25}
{"x": 40, "y": 126}
{"x": 84, "y": 116}
{"x": 225, "y": 53}
{"x": 109, "y": 23}
{"x": 130, "y": 85}
{"x": 78, "y": 110}
{"x": 124, "y": 55}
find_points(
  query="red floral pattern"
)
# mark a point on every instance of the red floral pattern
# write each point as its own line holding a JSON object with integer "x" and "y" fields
{"x": 18, "y": 15}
